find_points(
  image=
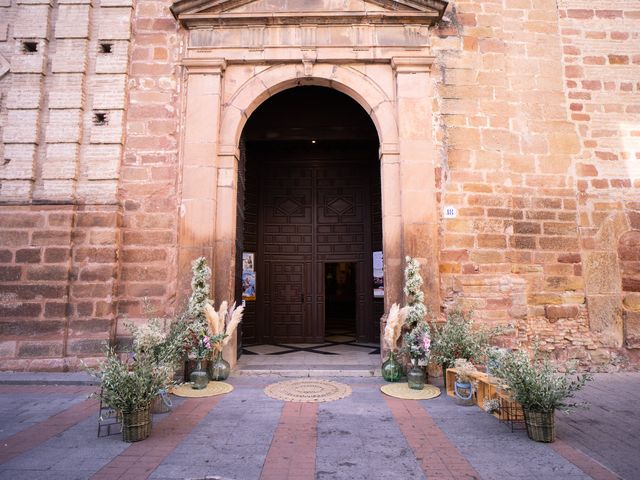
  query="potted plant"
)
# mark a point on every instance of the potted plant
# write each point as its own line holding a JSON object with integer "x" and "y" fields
{"x": 494, "y": 357}
{"x": 416, "y": 346}
{"x": 163, "y": 350}
{"x": 129, "y": 384}
{"x": 463, "y": 386}
{"x": 457, "y": 338}
{"x": 540, "y": 389}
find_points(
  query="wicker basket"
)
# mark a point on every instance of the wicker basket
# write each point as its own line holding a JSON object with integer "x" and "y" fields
{"x": 136, "y": 425}
{"x": 541, "y": 426}
{"x": 161, "y": 403}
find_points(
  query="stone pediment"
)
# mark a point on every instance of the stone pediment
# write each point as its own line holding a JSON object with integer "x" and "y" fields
{"x": 196, "y": 13}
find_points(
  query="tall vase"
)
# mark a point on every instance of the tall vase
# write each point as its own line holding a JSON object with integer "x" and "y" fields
{"x": 391, "y": 369}
{"x": 218, "y": 369}
{"x": 415, "y": 376}
{"x": 199, "y": 378}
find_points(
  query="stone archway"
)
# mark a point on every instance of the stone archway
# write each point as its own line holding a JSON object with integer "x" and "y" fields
{"x": 380, "y": 58}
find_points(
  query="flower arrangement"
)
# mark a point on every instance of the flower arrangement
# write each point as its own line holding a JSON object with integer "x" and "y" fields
{"x": 417, "y": 343}
{"x": 464, "y": 370}
{"x": 201, "y": 275}
{"x": 412, "y": 289}
{"x": 222, "y": 324}
{"x": 491, "y": 405}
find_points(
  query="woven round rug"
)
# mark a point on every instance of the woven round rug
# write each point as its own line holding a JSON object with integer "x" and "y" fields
{"x": 402, "y": 390}
{"x": 211, "y": 390}
{"x": 308, "y": 390}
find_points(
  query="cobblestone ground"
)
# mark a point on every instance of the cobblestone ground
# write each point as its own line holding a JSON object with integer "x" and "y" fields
{"x": 49, "y": 432}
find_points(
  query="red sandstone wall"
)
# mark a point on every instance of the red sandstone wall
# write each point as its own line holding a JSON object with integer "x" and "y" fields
{"x": 150, "y": 173}
{"x": 536, "y": 113}
{"x": 517, "y": 142}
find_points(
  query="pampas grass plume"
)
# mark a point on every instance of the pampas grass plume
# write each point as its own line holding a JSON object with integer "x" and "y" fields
{"x": 213, "y": 320}
{"x": 236, "y": 318}
{"x": 393, "y": 327}
{"x": 222, "y": 313}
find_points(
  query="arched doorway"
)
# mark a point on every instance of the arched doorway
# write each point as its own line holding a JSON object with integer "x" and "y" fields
{"x": 309, "y": 219}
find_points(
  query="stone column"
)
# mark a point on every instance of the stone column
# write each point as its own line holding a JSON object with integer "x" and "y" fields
{"x": 225, "y": 244}
{"x": 391, "y": 224}
{"x": 197, "y": 227}
{"x": 417, "y": 177}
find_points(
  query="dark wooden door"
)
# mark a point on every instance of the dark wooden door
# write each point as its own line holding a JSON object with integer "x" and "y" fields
{"x": 313, "y": 209}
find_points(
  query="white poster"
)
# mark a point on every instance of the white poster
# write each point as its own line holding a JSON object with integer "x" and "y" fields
{"x": 378, "y": 275}
{"x": 248, "y": 276}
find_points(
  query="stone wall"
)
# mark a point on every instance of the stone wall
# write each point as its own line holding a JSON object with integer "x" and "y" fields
{"x": 62, "y": 115}
{"x": 538, "y": 141}
{"x": 538, "y": 131}
{"x": 150, "y": 174}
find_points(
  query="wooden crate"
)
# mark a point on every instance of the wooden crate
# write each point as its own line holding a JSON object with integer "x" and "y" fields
{"x": 485, "y": 389}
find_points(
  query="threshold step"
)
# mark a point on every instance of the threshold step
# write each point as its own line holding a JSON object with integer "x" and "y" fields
{"x": 315, "y": 371}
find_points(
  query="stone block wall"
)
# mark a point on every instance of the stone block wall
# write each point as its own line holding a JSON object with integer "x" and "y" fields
{"x": 150, "y": 170}
{"x": 539, "y": 153}
{"x": 62, "y": 111}
{"x": 536, "y": 121}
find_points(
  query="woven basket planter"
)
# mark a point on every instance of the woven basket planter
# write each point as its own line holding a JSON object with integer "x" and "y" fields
{"x": 136, "y": 425}
{"x": 161, "y": 403}
{"x": 541, "y": 426}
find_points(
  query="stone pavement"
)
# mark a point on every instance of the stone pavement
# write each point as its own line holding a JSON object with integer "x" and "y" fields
{"x": 49, "y": 432}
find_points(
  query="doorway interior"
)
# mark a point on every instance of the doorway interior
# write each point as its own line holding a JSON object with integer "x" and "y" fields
{"x": 309, "y": 215}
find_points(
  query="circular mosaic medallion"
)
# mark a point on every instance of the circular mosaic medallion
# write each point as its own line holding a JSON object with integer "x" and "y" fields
{"x": 308, "y": 390}
{"x": 212, "y": 389}
{"x": 402, "y": 390}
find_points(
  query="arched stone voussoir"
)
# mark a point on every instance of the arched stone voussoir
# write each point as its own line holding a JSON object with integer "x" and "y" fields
{"x": 271, "y": 81}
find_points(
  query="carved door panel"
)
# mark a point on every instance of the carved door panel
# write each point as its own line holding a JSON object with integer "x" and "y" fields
{"x": 312, "y": 212}
{"x": 286, "y": 245}
{"x": 286, "y": 305}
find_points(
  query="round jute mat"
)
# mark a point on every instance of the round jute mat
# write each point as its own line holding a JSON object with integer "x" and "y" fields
{"x": 212, "y": 389}
{"x": 308, "y": 390}
{"x": 402, "y": 390}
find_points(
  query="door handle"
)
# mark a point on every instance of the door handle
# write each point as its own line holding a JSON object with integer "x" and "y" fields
{"x": 302, "y": 298}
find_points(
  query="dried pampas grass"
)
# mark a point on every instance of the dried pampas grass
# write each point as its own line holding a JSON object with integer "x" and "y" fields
{"x": 236, "y": 318}
{"x": 392, "y": 330}
{"x": 213, "y": 320}
{"x": 223, "y": 322}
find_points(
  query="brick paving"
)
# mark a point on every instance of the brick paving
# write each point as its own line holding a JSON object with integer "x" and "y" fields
{"x": 293, "y": 449}
{"x": 248, "y": 436}
{"x": 142, "y": 458}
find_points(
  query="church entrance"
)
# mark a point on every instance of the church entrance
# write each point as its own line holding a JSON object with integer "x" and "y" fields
{"x": 310, "y": 215}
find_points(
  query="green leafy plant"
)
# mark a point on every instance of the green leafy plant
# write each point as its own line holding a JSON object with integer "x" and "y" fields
{"x": 537, "y": 386}
{"x": 130, "y": 381}
{"x": 457, "y": 338}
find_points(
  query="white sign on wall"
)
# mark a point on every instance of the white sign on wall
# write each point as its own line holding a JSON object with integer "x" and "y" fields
{"x": 450, "y": 212}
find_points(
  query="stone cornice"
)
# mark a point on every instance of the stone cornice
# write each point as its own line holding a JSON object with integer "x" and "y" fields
{"x": 205, "y": 65}
{"x": 202, "y": 13}
{"x": 412, "y": 64}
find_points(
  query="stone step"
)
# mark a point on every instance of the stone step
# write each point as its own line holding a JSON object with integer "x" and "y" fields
{"x": 314, "y": 371}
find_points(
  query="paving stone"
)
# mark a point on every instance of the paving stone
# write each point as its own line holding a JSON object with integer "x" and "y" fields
{"x": 358, "y": 437}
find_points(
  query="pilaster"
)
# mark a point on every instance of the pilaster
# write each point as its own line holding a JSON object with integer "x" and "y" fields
{"x": 417, "y": 168}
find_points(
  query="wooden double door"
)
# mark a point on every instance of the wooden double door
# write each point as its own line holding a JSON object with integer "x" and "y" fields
{"x": 310, "y": 212}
